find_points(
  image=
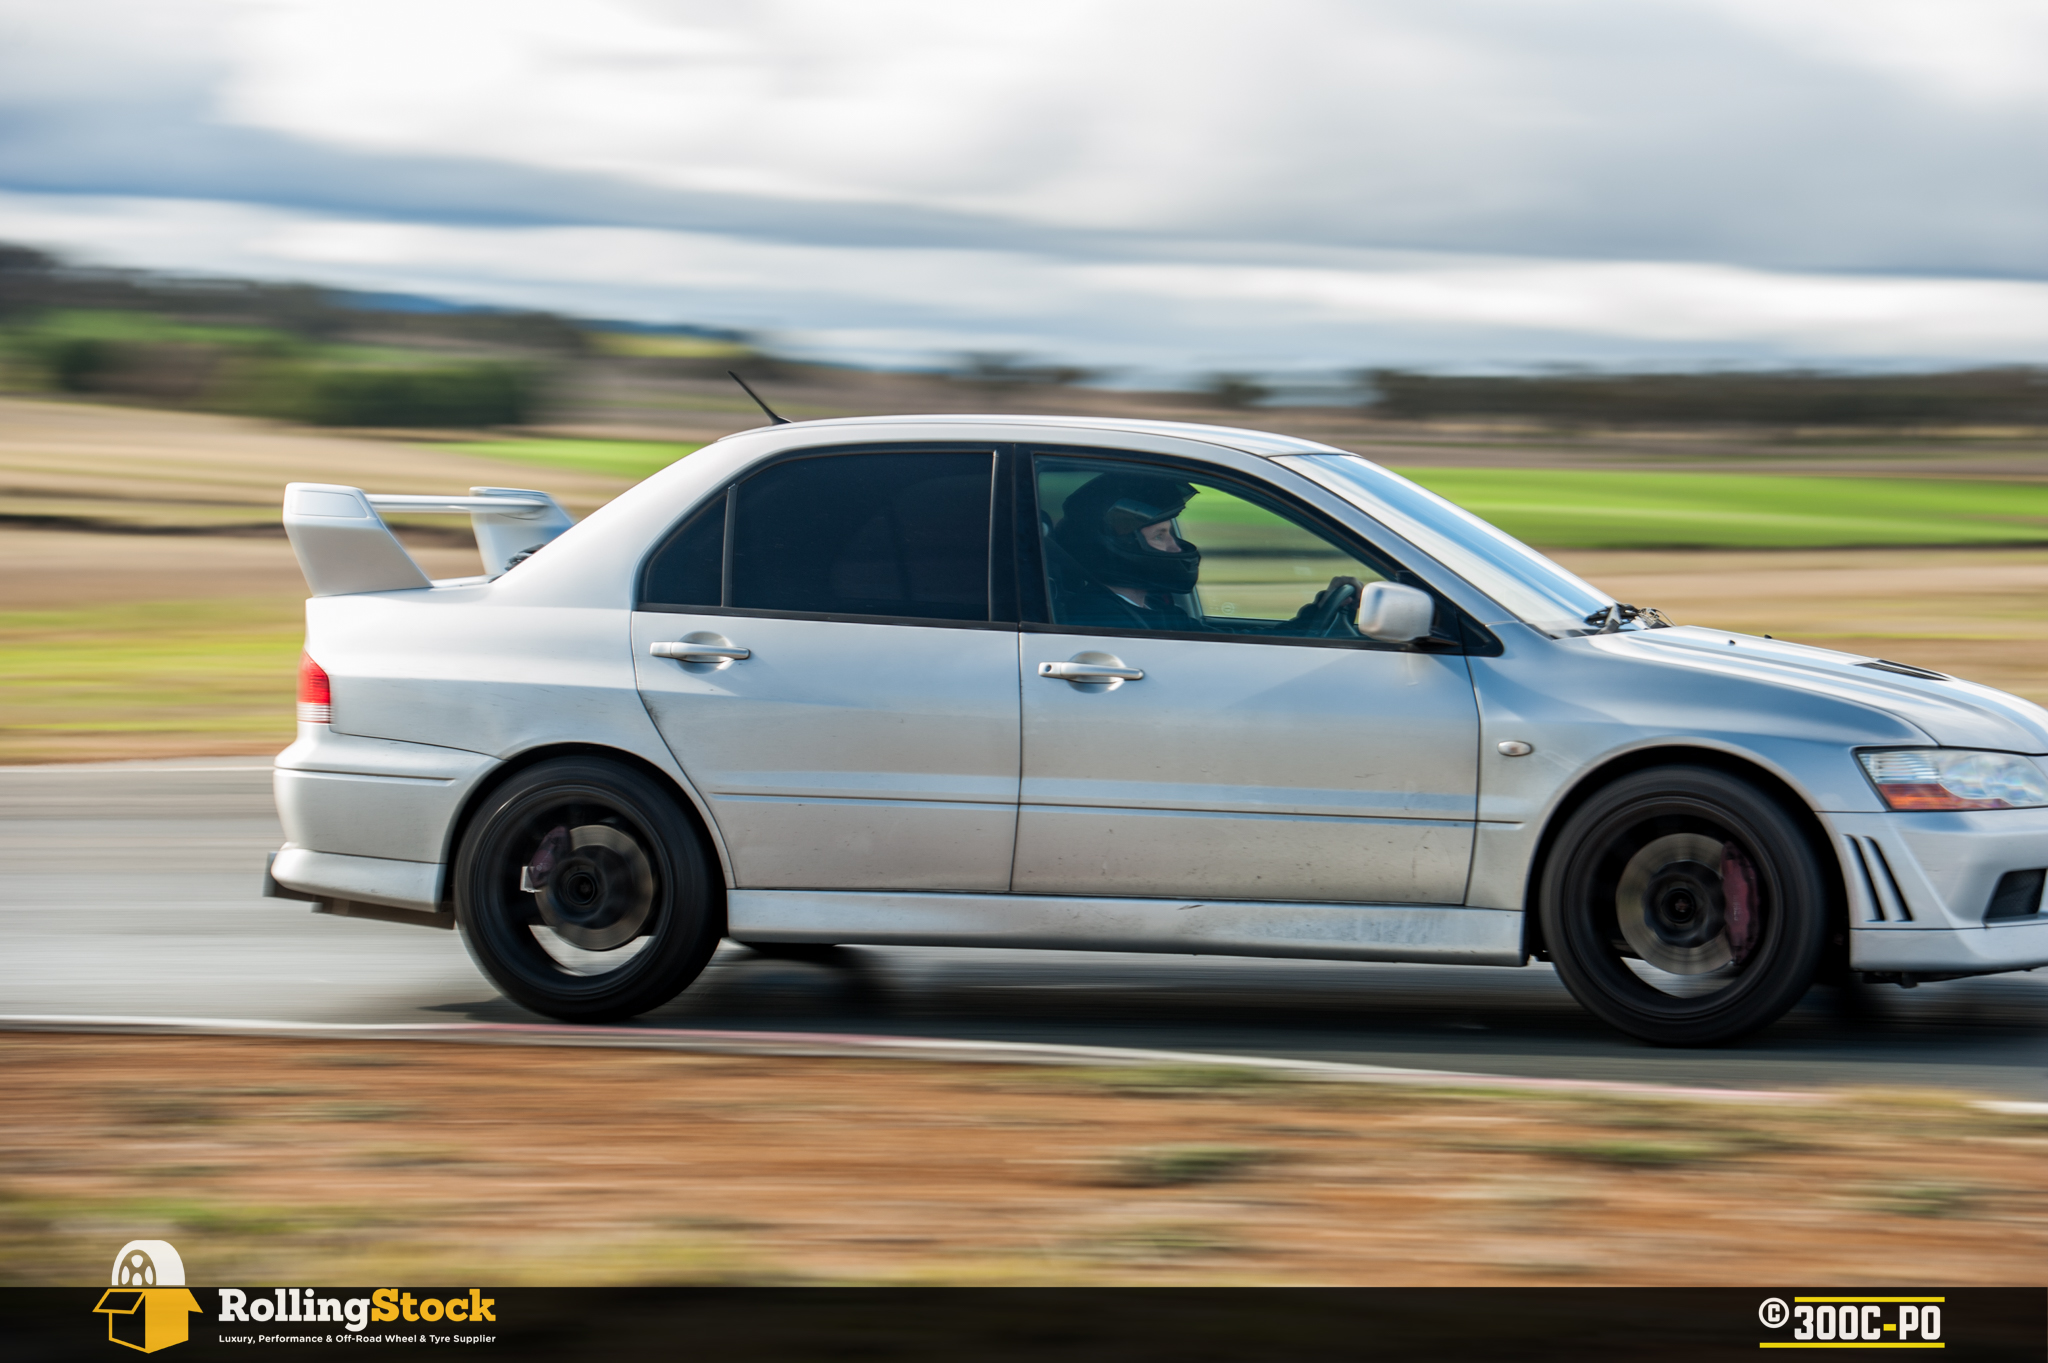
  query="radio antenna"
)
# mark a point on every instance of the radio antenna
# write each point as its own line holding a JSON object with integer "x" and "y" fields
{"x": 772, "y": 417}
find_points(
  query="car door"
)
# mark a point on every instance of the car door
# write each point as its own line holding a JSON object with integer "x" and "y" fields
{"x": 835, "y": 683}
{"x": 1218, "y": 742}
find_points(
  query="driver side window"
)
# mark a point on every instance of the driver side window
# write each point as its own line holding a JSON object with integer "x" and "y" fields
{"x": 1139, "y": 546}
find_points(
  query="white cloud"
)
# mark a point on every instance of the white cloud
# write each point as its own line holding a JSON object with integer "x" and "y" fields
{"x": 1073, "y": 111}
{"x": 109, "y": 49}
{"x": 1982, "y": 53}
{"x": 1311, "y": 181}
{"x": 1815, "y": 132}
{"x": 1669, "y": 302}
{"x": 904, "y": 305}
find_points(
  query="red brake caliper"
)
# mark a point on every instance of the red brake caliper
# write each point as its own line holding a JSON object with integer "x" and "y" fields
{"x": 1738, "y": 896}
{"x": 534, "y": 875}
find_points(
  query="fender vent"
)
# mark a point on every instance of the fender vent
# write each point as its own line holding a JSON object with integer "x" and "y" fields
{"x": 2018, "y": 895}
{"x": 1887, "y": 900}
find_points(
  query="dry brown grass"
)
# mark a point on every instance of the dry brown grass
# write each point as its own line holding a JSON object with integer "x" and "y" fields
{"x": 124, "y": 466}
{"x": 1981, "y": 614}
{"x": 356, "y": 1162}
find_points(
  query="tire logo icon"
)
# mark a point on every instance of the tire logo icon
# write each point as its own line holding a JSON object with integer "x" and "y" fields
{"x": 1774, "y": 1313}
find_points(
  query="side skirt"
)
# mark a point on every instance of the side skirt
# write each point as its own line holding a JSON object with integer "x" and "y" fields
{"x": 1436, "y": 933}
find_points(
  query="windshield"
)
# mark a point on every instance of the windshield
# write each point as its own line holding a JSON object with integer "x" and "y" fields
{"x": 1529, "y": 585}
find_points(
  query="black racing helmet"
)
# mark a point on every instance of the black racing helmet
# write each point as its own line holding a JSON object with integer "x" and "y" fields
{"x": 1099, "y": 527}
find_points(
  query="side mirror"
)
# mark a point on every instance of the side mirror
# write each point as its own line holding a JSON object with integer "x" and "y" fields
{"x": 1394, "y": 614}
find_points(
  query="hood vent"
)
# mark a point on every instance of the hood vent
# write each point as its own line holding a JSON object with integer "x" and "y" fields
{"x": 1905, "y": 669}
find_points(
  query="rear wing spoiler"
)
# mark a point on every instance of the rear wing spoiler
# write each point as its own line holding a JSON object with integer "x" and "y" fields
{"x": 345, "y": 547}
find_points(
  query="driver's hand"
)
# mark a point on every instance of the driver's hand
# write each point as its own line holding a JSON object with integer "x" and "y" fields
{"x": 1333, "y": 610}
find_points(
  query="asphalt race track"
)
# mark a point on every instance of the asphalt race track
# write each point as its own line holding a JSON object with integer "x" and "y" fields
{"x": 133, "y": 890}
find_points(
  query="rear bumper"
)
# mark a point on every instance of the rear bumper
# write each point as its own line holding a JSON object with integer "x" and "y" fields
{"x": 412, "y": 885}
{"x": 373, "y": 797}
{"x": 367, "y": 821}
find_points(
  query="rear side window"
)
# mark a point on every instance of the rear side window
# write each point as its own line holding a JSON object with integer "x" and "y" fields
{"x": 689, "y": 567}
{"x": 901, "y": 534}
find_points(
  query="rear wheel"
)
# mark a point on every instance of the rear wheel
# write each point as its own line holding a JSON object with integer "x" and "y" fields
{"x": 1684, "y": 906}
{"x": 584, "y": 893}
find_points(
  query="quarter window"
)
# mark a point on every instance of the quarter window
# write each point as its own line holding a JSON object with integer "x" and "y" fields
{"x": 688, "y": 570}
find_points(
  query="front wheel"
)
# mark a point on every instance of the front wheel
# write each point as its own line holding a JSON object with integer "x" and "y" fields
{"x": 1684, "y": 906}
{"x": 583, "y": 892}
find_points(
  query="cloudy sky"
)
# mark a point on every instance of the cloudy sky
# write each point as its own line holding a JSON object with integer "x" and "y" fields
{"x": 1165, "y": 187}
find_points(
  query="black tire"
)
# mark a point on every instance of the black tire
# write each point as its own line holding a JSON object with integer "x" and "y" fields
{"x": 1684, "y": 906}
{"x": 575, "y": 863}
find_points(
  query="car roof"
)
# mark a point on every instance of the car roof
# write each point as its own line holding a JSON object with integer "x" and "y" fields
{"x": 1264, "y": 443}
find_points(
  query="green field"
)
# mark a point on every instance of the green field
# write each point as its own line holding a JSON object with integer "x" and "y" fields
{"x": 1594, "y": 509}
{"x": 1597, "y": 509}
{"x": 132, "y": 680}
{"x": 620, "y": 458}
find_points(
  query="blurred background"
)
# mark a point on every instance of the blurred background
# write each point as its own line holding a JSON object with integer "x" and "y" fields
{"x": 1737, "y": 307}
{"x": 1741, "y": 308}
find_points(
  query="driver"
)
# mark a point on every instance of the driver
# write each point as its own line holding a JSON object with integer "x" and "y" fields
{"x": 1124, "y": 565}
{"x": 1118, "y": 561}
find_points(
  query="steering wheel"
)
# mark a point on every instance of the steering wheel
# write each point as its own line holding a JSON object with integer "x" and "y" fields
{"x": 1333, "y": 612}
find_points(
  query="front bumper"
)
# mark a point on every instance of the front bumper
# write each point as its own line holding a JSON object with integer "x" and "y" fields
{"x": 1919, "y": 885}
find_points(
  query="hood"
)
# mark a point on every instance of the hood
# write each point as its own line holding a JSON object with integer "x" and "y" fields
{"x": 1951, "y": 712}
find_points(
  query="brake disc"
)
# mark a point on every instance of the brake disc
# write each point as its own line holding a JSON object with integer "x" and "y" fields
{"x": 1672, "y": 907}
{"x": 600, "y": 892}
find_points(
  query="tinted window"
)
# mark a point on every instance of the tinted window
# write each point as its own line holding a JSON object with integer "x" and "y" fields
{"x": 1143, "y": 547}
{"x": 688, "y": 568}
{"x": 866, "y": 534}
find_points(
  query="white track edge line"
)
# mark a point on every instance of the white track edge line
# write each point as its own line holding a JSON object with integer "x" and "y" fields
{"x": 868, "y": 1046}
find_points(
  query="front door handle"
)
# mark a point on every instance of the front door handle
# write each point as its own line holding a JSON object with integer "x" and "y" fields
{"x": 687, "y": 652}
{"x": 1090, "y": 672}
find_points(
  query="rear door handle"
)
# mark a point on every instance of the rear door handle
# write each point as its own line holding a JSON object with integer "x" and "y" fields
{"x": 1089, "y": 672}
{"x": 701, "y": 653}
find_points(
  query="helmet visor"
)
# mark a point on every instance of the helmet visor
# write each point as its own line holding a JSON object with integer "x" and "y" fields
{"x": 1129, "y": 514}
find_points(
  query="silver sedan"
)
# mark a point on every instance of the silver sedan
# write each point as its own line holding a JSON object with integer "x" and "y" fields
{"x": 1121, "y": 686}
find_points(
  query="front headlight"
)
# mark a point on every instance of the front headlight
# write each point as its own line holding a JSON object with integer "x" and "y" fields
{"x": 1955, "y": 778}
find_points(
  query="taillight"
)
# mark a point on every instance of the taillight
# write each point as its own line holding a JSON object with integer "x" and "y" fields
{"x": 316, "y": 700}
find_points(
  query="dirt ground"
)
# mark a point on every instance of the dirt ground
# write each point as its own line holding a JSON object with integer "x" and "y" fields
{"x": 136, "y": 468}
{"x": 1980, "y": 614}
{"x": 327, "y": 1161}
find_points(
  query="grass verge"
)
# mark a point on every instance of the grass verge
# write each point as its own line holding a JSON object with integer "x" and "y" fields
{"x": 620, "y": 458}
{"x": 136, "y": 679}
{"x": 1597, "y": 509}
